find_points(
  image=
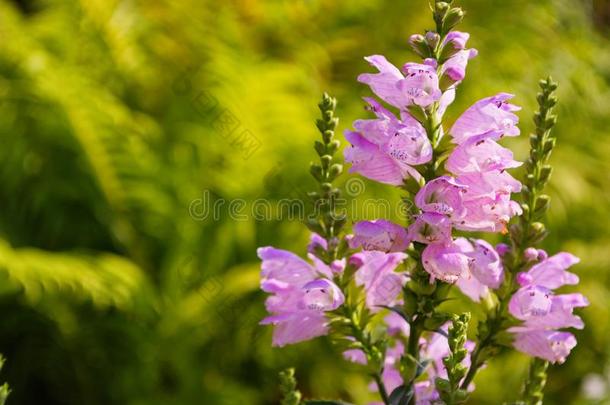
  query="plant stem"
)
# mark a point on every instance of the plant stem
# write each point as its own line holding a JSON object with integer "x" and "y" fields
{"x": 533, "y": 392}
{"x": 382, "y": 390}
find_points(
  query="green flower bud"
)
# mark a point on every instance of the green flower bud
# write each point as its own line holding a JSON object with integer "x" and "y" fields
{"x": 453, "y": 18}
{"x": 316, "y": 171}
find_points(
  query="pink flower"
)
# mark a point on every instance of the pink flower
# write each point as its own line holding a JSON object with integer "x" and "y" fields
{"x": 488, "y": 114}
{"x": 396, "y": 324}
{"x": 446, "y": 262}
{"x": 355, "y": 356}
{"x": 456, "y": 39}
{"x": 550, "y": 345}
{"x": 300, "y": 297}
{"x": 551, "y": 272}
{"x": 318, "y": 242}
{"x": 442, "y": 195}
{"x": 455, "y": 67}
{"x": 376, "y": 273}
{"x": 539, "y": 308}
{"x": 487, "y": 201}
{"x": 480, "y": 153}
{"x": 419, "y": 85}
{"x": 386, "y": 148}
{"x": 430, "y": 227}
{"x": 379, "y": 235}
{"x": 485, "y": 268}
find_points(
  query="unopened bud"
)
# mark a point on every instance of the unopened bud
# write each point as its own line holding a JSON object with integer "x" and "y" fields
{"x": 432, "y": 39}
{"x": 419, "y": 45}
{"x": 453, "y": 18}
{"x": 316, "y": 171}
{"x": 530, "y": 254}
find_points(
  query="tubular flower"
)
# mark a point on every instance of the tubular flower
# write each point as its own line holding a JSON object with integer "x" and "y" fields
{"x": 301, "y": 294}
{"x": 543, "y": 312}
{"x": 386, "y": 149}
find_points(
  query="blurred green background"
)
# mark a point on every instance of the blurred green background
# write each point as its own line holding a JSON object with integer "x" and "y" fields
{"x": 119, "y": 119}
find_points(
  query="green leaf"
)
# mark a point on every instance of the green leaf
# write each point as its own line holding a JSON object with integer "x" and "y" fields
{"x": 401, "y": 395}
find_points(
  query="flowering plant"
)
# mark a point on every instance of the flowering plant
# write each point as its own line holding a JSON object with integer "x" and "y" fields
{"x": 379, "y": 290}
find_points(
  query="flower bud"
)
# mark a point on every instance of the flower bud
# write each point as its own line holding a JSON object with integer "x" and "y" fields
{"x": 523, "y": 279}
{"x": 542, "y": 255}
{"x": 319, "y": 147}
{"x": 432, "y": 39}
{"x": 316, "y": 171}
{"x": 335, "y": 170}
{"x": 442, "y": 7}
{"x": 453, "y": 18}
{"x": 530, "y": 254}
{"x": 542, "y": 204}
{"x": 502, "y": 249}
{"x": 419, "y": 45}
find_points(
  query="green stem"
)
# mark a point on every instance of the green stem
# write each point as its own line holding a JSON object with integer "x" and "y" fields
{"x": 533, "y": 392}
{"x": 383, "y": 393}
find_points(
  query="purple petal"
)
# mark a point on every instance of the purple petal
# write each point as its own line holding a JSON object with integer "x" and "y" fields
{"x": 491, "y": 113}
{"x": 385, "y": 83}
{"x": 480, "y": 153}
{"x": 380, "y": 235}
{"x": 446, "y": 262}
{"x": 322, "y": 295}
{"x": 551, "y": 273}
{"x": 442, "y": 195}
{"x": 552, "y": 346}
{"x": 370, "y": 162}
{"x": 285, "y": 266}
{"x": 294, "y": 327}
{"x": 430, "y": 227}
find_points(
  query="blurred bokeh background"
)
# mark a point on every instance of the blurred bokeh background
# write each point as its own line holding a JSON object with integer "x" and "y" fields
{"x": 120, "y": 119}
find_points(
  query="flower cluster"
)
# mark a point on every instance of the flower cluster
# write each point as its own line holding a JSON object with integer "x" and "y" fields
{"x": 543, "y": 312}
{"x": 379, "y": 289}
